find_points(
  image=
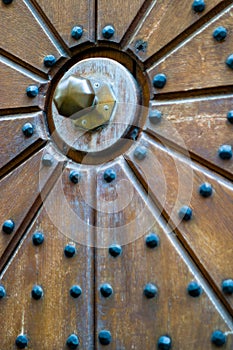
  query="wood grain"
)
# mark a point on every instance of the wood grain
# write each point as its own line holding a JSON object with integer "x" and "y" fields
{"x": 14, "y": 143}
{"x": 23, "y": 37}
{"x": 134, "y": 321}
{"x": 173, "y": 182}
{"x": 157, "y": 29}
{"x": 69, "y": 13}
{"x": 198, "y": 126}
{"x": 200, "y": 61}
{"x": 49, "y": 322}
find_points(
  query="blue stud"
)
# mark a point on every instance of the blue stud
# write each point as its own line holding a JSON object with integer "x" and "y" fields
{"x": 159, "y": 81}
{"x": 28, "y": 129}
{"x": 108, "y": 31}
{"x": 74, "y": 176}
{"x": 220, "y": 34}
{"x": 229, "y": 61}
{"x": 72, "y": 341}
{"x": 32, "y": 91}
{"x": 105, "y": 337}
{"x": 185, "y": 213}
{"x": 69, "y": 251}
{"x": 21, "y": 341}
{"x": 109, "y": 175}
{"x": 230, "y": 117}
{"x": 140, "y": 152}
{"x": 206, "y": 190}
{"x": 218, "y": 338}
{"x": 47, "y": 160}
{"x": 38, "y": 238}
{"x": 194, "y": 289}
{"x": 106, "y": 290}
{"x": 150, "y": 290}
{"x": 227, "y": 286}
{"x": 164, "y": 343}
{"x": 8, "y": 226}
{"x": 152, "y": 240}
{"x": 225, "y": 152}
{"x": 155, "y": 116}
{"x": 2, "y": 292}
{"x": 75, "y": 291}
{"x": 115, "y": 250}
{"x": 37, "y": 292}
{"x": 49, "y": 61}
{"x": 77, "y": 32}
{"x": 198, "y": 5}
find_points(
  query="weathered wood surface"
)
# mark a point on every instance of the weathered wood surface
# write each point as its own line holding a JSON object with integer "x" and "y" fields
{"x": 200, "y": 61}
{"x": 125, "y": 217}
{"x": 70, "y": 13}
{"x": 197, "y": 126}
{"x": 173, "y": 182}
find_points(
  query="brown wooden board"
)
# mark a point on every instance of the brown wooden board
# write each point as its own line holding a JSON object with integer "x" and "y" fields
{"x": 199, "y": 126}
{"x": 23, "y": 37}
{"x": 52, "y": 319}
{"x": 200, "y": 61}
{"x": 13, "y": 141}
{"x": 69, "y": 13}
{"x": 157, "y": 29}
{"x": 173, "y": 181}
{"x": 134, "y": 321}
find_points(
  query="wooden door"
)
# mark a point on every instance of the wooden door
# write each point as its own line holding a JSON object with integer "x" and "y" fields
{"x": 119, "y": 237}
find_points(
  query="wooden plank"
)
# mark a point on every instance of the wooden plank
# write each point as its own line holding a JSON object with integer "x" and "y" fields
{"x": 204, "y": 59}
{"x": 174, "y": 182}
{"x": 118, "y": 14}
{"x": 70, "y": 13}
{"x": 20, "y": 193}
{"x": 23, "y": 37}
{"x": 14, "y": 82}
{"x": 13, "y": 141}
{"x": 50, "y": 321}
{"x": 198, "y": 126}
{"x": 126, "y": 217}
{"x": 157, "y": 30}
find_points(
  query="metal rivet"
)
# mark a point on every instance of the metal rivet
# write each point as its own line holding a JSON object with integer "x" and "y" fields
{"x": 159, "y": 81}
{"x": 141, "y": 45}
{"x": 140, "y": 153}
{"x": 206, "y": 190}
{"x": 150, "y": 290}
{"x": 185, "y": 213}
{"x": 74, "y": 176}
{"x": 108, "y": 31}
{"x": 115, "y": 250}
{"x": 2, "y": 292}
{"x": 164, "y": 343}
{"x": 69, "y": 251}
{"x": 49, "y": 61}
{"x": 32, "y": 91}
{"x": 38, "y": 238}
{"x": 28, "y": 129}
{"x": 77, "y": 32}
{"x": 227, "y": 286}
{"x": 21, "y": 341}
{"x": 72, "y": 341}
{"x": 198, "y": 5}
{"x": 37, "y": 292}
{"x": 152, "y": 240}
{"x": 225, "y": 152}
{"x": 109, "y": 175}
{"x": 133, "y": 134}
{"x": 220, "y": 33}
{"x": 75, "y": 291}
{"x": 8, "y": 226}
{"x": 105, "y": 337}
{"x": 47, "y": 160}
{"x": 194, "y": 289}
{"x": 230, "y": 117}
{"x": 155, "y": 116}
{"x": 229, "y": 61}
{"x": 218, "y": 338}
{"x": 7, "y": 2}
{"x": 106, "y": 290}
